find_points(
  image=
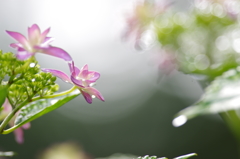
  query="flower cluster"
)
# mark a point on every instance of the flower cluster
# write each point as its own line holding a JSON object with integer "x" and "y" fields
{"x": 140, "y": 20}
{"x": 38, "y": 42}
{"x": 24, "y": 72}
{"x": 83, "y": 79}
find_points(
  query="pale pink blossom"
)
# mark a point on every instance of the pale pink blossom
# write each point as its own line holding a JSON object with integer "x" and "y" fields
{"x": 144, "y": 13}
{"x": 82, "y": 79}
{"x": 37, "y": 42}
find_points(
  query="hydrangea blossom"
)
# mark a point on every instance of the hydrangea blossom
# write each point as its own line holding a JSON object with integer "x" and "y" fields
{"x": 82, "y": 78}
{"x": 140, "y": 20}
{"x": 37, "y": 42}
{"x": 19, "y": 135}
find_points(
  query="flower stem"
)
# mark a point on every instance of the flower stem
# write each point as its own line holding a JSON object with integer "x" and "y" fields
{"x": 55, "y": 95}
{"x": 233, "y": 122}
{"x": 14, "y": 111}
{"x": 11, "y": 115}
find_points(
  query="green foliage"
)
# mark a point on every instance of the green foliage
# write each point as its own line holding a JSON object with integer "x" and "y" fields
{"x": 24, "y": 79}
{"x": 40, "y": 107}
{"x": 186, "y": 156}
{"x": 199, "y": 40}
{"x": 151, "y": 157}
{"x": 221, "y": 95}
{"x": 180, "y": 157}
{"x": 3, "y": 95}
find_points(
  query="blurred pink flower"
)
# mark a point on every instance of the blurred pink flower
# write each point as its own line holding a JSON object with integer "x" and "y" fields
{"x": 82, "y": 79}
{"x": 165, "y": 60}
{"x": 19, "y": 135}
{"x": 37, "y": 42}
{"x": 140, "y": 20}
{"x": 167, "y": 63}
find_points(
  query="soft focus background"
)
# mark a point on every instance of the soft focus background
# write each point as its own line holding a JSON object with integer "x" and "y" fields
{"x": 140, "y": 101}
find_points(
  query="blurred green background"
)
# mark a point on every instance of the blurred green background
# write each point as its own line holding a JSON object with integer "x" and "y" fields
{"x": 137, "y": 115}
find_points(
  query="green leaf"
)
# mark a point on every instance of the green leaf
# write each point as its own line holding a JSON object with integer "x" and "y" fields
{"x": 119, "y": 156}
{"x": 150, "y": 157}
{"x": 180, "y": 157}
{"x": 7, "y": 154}
{"x": 223, "y": 94}
{"x": 40, "y": 107}
{"x": 3, "y": 94}
{"x": 186, "y": 156}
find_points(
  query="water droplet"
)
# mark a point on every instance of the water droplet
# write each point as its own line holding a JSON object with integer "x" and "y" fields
{"x": 10, "y": 153}
{"x": 222, "y": 43}
{"x": 32, "y": 65}
{"x": 33, "y": 79}
{"x": 236, "y": 45}
{"x": 53, "y": 101}
{"x": 92, "y": 84}
{"x": 218, "y": 10}
{"x": 93, "y": 96}
{"x": 179, "y": 121}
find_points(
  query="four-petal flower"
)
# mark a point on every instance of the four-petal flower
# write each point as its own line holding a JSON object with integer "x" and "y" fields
{"x": 82, "y": 78}
{"x": 37, "y": 42}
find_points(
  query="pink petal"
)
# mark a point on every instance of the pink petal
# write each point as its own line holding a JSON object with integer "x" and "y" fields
{"x": 88, "y": 82}
{"x": 46, "y": 41}
{"x": 19, "y": 135}
{"x": 54, "y": 51}
{"x": 93, "y": 76}
{"x": 77, "y": 82}
{"x": 34, "y": 34}
{"x": 87, "y": 96}
{"x": 59, "y": 74}
{"x": 85, "y": 67}
{"x": 16, "y": 45}
{"x": 71, "y": 65}
{"x": 74, "y": 70}
{"x": 44, "y": 34}
{"x": 7, "y": 106}
{"x": 20, "y": 38}
{"x": 93, "y": 91}
{"x": 26, "y": 126}
{"x": 84, "y": 74}
{"x": 22, "y": 54}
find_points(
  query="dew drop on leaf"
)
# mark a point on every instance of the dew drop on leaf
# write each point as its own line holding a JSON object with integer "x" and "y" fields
{"x": 179, "y": 121}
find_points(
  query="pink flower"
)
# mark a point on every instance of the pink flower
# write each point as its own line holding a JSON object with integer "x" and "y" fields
{"x": 167, "y": 63}
{"x": 37, "y": 42}
{"x": 19, "y": 131}
{"x": 142, "y": 17}
{"x": 82, "y": 78}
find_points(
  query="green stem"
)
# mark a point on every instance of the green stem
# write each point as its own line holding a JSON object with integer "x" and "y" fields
{"x": 11, "y": 115}
{"x": 55, "y": 95}
{"x": 10, "y": 101}
{"x": 233, "y": 121}
{"x": 14, "y": 111}
{"x": 10, "y": 81}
